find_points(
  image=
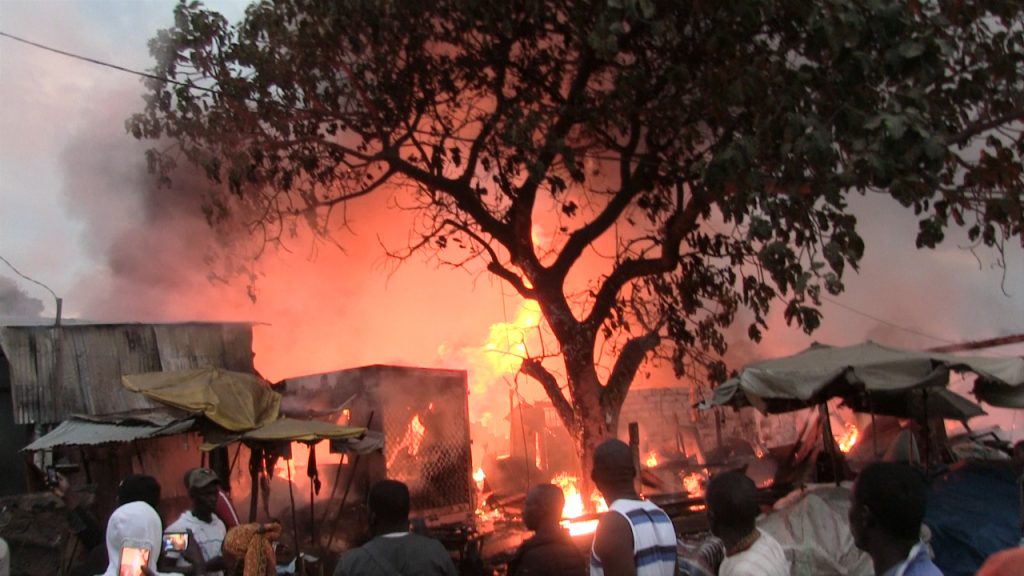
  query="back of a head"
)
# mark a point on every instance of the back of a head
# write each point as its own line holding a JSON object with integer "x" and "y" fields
{"x": 388, "y": 500}
{"x": 896, "y": 495}
{"x": 139, "y": 488}
{"x": 732, "y": 499}
{"x": 613, "y": 463}
{"x": 135, "y": 522}
{"x": 543, "y": 506}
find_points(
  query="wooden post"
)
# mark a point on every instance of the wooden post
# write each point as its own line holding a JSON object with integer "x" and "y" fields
{"x": 634, "y": 447}
{"x": 255, "y": 461}
{"x": 830, "y": 441}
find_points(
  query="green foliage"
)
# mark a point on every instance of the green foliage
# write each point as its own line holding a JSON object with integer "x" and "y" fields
{"x": 719, "y": 139}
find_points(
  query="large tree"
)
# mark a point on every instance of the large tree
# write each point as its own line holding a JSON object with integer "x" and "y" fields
{"x": 711, "y": 146}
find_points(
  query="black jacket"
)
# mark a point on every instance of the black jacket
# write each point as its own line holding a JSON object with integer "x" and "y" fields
{"x": 550, "y": 552}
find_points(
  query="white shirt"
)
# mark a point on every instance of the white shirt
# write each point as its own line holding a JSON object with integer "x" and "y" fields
{"x": 765, "y": 557}
{"x": 209, "y": 535}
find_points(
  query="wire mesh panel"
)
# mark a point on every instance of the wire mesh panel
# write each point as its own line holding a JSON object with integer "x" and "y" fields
{"x": 427, "y": 439}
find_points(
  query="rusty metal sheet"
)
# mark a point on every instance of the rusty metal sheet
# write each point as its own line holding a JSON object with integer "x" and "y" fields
{"x": 95, "y": 356}
{"x": 76, "y": 432}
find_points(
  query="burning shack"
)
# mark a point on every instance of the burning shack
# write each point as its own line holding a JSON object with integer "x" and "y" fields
{"x": 423, "y": 414}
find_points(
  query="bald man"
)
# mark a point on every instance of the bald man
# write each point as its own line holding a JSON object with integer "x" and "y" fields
{"x": 635, "y": 537}
{"x": 550, "y": 551}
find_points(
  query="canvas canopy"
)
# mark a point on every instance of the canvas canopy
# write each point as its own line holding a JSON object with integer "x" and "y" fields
{"x": 349, "y": 438}
{"x": 822, "y": 372}
{"x": 236, "y": 401}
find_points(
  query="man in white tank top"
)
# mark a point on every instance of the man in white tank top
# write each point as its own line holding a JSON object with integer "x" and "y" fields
{"x": 635, "y": 537}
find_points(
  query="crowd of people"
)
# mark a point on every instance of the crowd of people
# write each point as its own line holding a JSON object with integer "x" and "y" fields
{"x": 634, "y": 538}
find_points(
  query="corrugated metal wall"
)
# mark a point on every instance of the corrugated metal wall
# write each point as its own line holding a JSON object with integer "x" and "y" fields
{"x": 94, "y": 357}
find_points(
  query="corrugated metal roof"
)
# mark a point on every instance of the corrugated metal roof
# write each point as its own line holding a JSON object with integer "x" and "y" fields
{"x": 95, "y": 356}
{"x": 78, "y": 432}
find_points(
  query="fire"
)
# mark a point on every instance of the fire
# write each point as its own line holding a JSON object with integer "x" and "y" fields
{"x": 651, "y": 460}
{"x": 849, "y": 438}
{"x": 416, "y": 428}
{"x": 574, "y": 507}
{"x": 282, "y": 468}
{"x": 412, "y": 440}
{"x": 693, "y": 484}
{"x": 506, "y": 344}
{"x": 479, "y": 478}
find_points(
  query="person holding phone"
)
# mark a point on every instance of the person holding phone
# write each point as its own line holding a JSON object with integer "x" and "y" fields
{"x": 134, "y": 538}
{"x": 207, "y": 530}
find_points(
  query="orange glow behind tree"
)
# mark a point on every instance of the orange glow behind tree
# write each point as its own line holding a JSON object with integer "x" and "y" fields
{"x": 702, "y": 153}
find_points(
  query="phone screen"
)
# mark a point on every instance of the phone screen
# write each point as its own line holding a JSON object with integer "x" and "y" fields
{"x": 51, "y": 475}
{"x": 133, "y": 558}
{"x": 175, "y": 541}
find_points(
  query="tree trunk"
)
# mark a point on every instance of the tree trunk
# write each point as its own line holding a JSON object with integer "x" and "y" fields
{"x": 594, "y": 421}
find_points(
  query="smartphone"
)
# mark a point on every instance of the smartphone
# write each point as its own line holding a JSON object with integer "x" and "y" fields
{"x": 51, "y": 476}
{"x": 175, "y": 541}
{"x": 133, "y": 557}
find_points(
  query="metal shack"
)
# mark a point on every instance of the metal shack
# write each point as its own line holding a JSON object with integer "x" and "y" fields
{"x": 49, "y": 373}
{"x": 424, "y": 416}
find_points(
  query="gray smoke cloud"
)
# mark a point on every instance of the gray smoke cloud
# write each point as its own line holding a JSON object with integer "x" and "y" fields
{"x": 16, "y": 303}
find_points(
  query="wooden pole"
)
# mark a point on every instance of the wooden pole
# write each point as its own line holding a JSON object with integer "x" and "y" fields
{"x": 291, "y": 496}
{"x": 979, "y": 344}
{"x": 830, "y": 441}
{"x": 634, "y": 447}
{"x": 348, "y": 487}
{"x": 255, "y": 460}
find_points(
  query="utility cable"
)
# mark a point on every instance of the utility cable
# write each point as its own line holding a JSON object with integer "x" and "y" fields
{"x": 16, "y": 271}
{"x": 886, "y": 322}
{"x": 108, "y": 64}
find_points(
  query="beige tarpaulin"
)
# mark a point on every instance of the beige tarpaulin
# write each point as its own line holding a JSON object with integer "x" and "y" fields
{"x": 236, "y": 401}
{"x": 302, "y": 431}
{"x": 358, "y": 440}
{"x": 822, "y": 372}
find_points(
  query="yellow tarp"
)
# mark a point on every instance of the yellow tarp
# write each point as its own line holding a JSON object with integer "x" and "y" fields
{"x": 360, "y": 440}
{"x": 234, "y": 400}
{"x": 302, "y": 431}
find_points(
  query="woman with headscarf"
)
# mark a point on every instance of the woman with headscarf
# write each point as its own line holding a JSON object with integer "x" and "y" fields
{"x": 249, "y": 545}
{"x": 137, "y": 523}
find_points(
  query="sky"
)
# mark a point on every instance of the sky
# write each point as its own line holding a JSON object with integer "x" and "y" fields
{"x": 79, "y": 213}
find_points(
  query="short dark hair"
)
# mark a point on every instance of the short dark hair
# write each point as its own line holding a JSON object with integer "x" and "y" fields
{"x": 544, "y": 503}
{"x": 139, "y": 488}
{"x": 732, "y": 498}
{"x": 613, "y": 462}
{"x": 389, "y": 500}
{"x": 896, "y": 495}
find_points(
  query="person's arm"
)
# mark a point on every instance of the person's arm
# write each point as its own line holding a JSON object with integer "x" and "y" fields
{"x": 613, "y": 545}
{"x": 215, "y": 564}
{"x": 83, "y": 524}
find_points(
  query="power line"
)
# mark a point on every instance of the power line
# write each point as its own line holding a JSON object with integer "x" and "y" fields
{"x": 37, "y": 282}
{"x": 886, "y": 322}
{"x": 109, "y": 65}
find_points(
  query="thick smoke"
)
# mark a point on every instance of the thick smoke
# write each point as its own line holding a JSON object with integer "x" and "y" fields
{"x": 327, "y": 308}
{"x": 319, "y": 307}
{"x": 15, "y": 303}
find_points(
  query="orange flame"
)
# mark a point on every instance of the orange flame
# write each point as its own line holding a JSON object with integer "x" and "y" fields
{"x": 506, "y": 345}
{"x": 652, "y": 460}
{"x": 849, "y": 438}
{"x": 693, "y": 484}
{"x": 282, "y": 468}
{"x": 574, "y": 507}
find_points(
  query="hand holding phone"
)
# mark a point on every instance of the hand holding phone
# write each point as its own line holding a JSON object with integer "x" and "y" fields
{"x": 134, "y": 556}
{"x": 175, "y": 541}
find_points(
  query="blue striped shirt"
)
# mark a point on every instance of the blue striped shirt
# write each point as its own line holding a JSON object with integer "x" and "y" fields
{"x": 654, "y": 539}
